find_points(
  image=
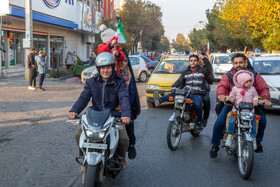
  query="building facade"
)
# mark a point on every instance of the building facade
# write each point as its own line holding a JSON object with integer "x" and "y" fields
{"x": 59, "y": 26}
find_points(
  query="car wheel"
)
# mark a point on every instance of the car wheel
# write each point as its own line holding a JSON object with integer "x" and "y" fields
{"x": 143, "y": 76}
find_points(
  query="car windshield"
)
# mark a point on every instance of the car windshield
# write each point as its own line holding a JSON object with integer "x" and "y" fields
{"x": 172, "y": 67}
{"x": 269, "y": 67}
{"x": 222, "y": 60}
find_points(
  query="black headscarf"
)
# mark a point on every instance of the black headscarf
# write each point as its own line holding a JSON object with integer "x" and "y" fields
{"x": 135, "y": 107}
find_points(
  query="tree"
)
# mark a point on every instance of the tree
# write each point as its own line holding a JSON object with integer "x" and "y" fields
{"x": 198, "y": 39}
{"x": 164, "y": 44}
{"x": 143, "y": 22}
{"x": 180, "y": 44}
{"x": 251, "y": 20}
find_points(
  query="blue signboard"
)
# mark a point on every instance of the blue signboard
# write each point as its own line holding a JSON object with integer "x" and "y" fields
{"x": 52, "y": 3}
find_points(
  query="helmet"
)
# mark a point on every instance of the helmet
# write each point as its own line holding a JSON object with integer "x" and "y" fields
{"x": 105, "y": 59}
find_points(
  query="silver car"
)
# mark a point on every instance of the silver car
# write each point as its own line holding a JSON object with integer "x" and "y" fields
{"x": 139, "y": 66}
{"x": 221, "y": 64}
{"x": 269, "y": 69}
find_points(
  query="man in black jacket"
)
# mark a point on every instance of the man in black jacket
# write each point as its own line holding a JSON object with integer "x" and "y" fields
{"x": 194, "y": 78}
{"x": 32, "y": 66}
{"x": 204, "y": 62}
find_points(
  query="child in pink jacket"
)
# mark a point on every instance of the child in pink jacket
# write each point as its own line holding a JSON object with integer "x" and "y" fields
{"x": 243, "y": 91}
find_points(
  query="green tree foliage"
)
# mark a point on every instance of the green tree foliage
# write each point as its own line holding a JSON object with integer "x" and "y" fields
{"x": 164, "y": 44}
{"x": 142, "y": 22}
{"x": 198, "y": 39}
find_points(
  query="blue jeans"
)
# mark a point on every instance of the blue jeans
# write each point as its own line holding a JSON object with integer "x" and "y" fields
{"x": 220, "y": 123}
{"x": 130, "y": 133}
{"x": 231, "y": 126}
{"x": 197, "y": 100}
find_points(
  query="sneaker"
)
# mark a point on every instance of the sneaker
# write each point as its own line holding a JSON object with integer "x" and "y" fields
{"x": 204, "y": 122}
{"x": 259, "y": 148}
{"x": 255, "y": 144}
{"x": 199, "y": 126}
{"x": 31, "y": 88}
{"x": 131, "y": 152}
{"x": 228, "y": 141}
{"x": 156, "y": 98}
{"x": 41, "y": 89}
{"x": 214, "y": 151}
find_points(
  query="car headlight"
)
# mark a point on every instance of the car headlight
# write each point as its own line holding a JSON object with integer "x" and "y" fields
{"x": 218, "y": 70}
{"x": 153, "y": 86}
{"x": 271, "y": 89}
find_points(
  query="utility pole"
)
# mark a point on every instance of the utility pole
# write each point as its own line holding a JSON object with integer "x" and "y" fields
{"x": 28, "y": 40}
{"x": 1, "y": 49}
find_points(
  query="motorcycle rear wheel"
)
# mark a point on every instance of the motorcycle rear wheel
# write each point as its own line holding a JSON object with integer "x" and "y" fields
{"x": 92, "y": 176}
{"x": 246, "y": 161}
{"x": 173, "y": 136}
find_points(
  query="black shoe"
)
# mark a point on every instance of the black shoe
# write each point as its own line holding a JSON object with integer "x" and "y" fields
{"x": 204, "y": 122}
{"x": 199, "y": 126}
{"x": 131, "y": 152}
{"x": 214, "y": 151}
{"x": 259, "y": 148}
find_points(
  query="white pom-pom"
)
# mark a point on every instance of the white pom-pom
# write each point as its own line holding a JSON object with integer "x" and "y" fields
{"x": 102, "y": 27}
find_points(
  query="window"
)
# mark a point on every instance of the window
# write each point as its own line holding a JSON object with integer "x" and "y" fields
{"x": 133, "y": 60}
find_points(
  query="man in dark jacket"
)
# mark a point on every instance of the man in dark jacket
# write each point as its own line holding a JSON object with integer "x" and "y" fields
{"x": 194, "y": 78}
{"x": 204, "y": 62}
{"x": 32, "y": 66}
{"x": 107, "y": 90}
{"x": 224, "y": 88}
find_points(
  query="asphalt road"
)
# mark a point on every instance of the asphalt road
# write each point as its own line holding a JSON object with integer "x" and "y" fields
{"x": 37, "y": 147}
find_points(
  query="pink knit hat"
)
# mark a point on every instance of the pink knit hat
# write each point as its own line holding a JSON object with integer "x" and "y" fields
{"x": 241, "y": 77}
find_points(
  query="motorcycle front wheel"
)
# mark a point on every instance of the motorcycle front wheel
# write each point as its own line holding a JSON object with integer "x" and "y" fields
{"x": 246, "y": 161}
{"x": 91, "y": 176}
{"x": 173, "y": 136}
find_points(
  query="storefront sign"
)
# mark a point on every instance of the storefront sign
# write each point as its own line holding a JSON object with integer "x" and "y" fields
{"x": 52, "y": 3}
{"x": 4, "y": 8}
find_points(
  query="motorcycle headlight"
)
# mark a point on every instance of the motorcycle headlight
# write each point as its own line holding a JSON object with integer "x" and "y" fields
{"x": 89, "y": 133}
{"x": 246, "y": 115}
{"x": 153, "y": 86}
{"x": 179, "y": 99}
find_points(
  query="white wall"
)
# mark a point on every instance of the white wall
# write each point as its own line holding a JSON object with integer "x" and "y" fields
{"x": 64, "y": 10}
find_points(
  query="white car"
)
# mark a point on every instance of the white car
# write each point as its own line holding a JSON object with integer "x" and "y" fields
{"x": 269, "y": 69}
{"x": 221, "y": 64}
{"x": 140, "y": 68}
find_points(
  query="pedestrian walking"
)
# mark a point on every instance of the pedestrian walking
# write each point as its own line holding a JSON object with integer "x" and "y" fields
{"x": 32, "y": 66}
{"x": 41, "y": 64}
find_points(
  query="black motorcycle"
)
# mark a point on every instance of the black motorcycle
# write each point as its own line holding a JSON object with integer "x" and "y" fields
{"x": 183, "y": 118}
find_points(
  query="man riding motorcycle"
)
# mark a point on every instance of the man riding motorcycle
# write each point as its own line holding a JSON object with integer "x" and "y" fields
{"x": 107, "y": 89}
{"x": 224, "y": 88}
{"x": 194, "y": 78}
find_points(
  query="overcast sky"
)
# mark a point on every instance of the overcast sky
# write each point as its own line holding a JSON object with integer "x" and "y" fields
{"x": 181, "y": 16}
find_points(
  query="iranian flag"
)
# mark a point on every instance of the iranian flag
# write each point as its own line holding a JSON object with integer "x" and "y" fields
{"x": 208, "y": 47}
{"x": 120, "y": 35}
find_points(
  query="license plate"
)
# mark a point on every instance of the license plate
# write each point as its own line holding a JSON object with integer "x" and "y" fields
{"x": 166, "y": 93}
{"x": 94, "y": 145}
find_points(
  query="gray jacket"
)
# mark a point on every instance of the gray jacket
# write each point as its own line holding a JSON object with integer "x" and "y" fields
{"x": 41, "y": 64}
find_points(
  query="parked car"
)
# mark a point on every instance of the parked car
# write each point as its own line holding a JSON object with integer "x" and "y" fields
{"x": 151, "y": 63}
{"x": 140, "y": 67}
{"x": 221, "y": 64}
{"x": 88, "y": 73}
{"x": 164, "y": 75}
{"x": 269, "y": 69}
